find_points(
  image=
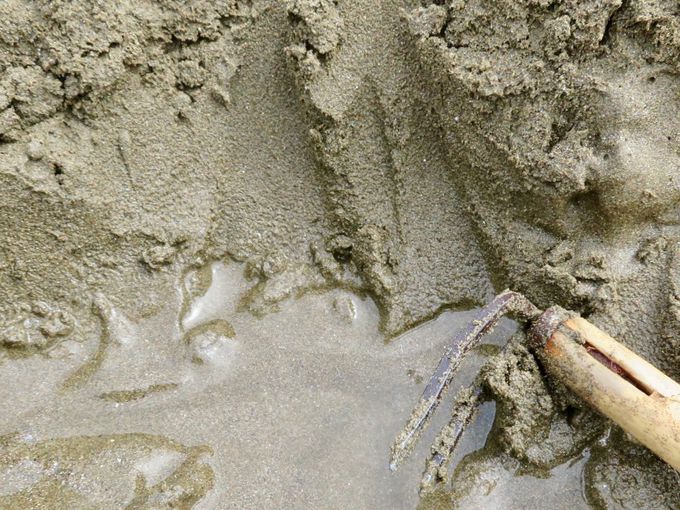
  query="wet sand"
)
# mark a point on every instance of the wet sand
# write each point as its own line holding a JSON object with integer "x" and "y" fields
{"x": 296, "y": 409}
{"x": 361, "y": 169}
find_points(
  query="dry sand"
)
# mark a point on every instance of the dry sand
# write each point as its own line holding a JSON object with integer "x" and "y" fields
{"x": 218, "y": 218}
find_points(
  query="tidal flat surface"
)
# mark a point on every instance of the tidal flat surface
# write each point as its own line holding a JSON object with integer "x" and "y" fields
{"x": 200, "y": 404}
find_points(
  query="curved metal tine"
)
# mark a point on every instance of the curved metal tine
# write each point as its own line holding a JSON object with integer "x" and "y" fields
{"x": 483, "y": 323}
{"x": 444, "y": 445}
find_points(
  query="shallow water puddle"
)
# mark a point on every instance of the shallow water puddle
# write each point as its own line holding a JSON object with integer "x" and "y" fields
{"x": 211, "y": 292}
{"x": 299, "y": 407}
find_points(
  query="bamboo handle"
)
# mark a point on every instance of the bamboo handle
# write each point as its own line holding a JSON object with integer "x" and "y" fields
{"x": 653, "y": 419}
{"x": 651, "y": 378}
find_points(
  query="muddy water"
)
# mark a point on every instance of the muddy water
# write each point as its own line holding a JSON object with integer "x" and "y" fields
{"x": 203, "y": 403}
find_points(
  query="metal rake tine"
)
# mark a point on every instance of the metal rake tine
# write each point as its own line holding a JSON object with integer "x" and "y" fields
{"x": 467, "y": 404}
{"x": 466, "y": 338}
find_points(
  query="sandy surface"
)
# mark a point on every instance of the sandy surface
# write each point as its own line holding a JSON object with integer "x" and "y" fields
{"x": 347, "y": 170}
{"x": 284, "y": 414}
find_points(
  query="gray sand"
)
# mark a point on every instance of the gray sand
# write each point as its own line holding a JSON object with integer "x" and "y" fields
{"x": 285, "y": 414}
{"x": 358, "y": 167}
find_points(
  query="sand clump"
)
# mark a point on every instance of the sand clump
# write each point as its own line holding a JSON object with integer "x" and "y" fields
{"x": 420, "y": 152}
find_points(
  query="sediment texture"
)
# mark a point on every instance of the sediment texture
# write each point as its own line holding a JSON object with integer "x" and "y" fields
{"x": 428, "y": 154}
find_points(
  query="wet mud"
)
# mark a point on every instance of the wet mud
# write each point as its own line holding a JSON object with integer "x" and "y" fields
{"x": 282, "y": 412}
{"x": 246, "y": 229}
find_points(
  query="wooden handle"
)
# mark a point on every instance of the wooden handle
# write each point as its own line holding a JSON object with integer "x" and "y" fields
{"x": 652, "y": 418}
{"x": 646, "y": 374}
